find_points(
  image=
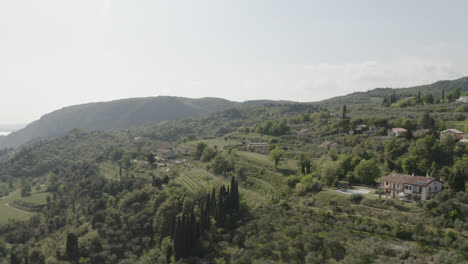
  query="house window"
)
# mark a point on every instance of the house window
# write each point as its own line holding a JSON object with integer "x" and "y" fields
{"x": 435, "y": 188}
{"x": 429, "y": 188}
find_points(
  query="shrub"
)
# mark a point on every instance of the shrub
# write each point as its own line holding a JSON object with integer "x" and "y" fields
{"x": 356, "y": 198}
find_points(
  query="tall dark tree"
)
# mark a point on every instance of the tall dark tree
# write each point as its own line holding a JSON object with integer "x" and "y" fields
{"x": 409, "y": 134}
{"x": 343, "y": 112}
{"x": 304, "y": 163}
{"x": 427, "y": 121}
{"x": 150, "y": 158}
{"x": 385, "y": 101}
{"x": 14, "y": 258}
{"x": 222, "y": 207}
{"x": 458, "y": 178}
{"x": 71, "y": 251}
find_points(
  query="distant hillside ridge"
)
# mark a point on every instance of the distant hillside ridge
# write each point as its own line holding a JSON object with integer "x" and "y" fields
{"x": 118, "y": 114}
{"x": 127, "y": 113}
{"x": 377, "y": 95}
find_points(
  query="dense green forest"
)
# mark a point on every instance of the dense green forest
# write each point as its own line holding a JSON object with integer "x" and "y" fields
{"x": 111, "y": 196}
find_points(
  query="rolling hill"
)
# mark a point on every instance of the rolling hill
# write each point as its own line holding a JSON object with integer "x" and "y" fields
{"x": 127, "y": 113}
{"x": 119, "y": 114}
{"x": 377, "y": 95}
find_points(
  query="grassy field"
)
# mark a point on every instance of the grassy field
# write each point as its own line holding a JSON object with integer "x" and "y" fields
{"x": 220, "y": 143}
{"x": 37, "y": 198}
{"x": 326, "y": 195}
{"x": 8, "y": 212}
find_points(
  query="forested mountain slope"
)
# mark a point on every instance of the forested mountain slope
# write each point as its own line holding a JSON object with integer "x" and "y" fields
{"x": 118, "y": 114}
{"x": 377, "y": 95}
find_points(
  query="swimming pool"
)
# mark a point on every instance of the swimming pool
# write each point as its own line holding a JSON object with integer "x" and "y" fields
{"x": 358, "y": 191}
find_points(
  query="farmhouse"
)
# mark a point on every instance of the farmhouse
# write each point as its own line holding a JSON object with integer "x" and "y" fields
{"x": 165, "y": 153}
{"x": 463, "y": 99}
{"x": 421, "y": 132}
{"x": 259, "y": 147}
{"x": 404, "y": 186}
{"x": 397, "y": 132}
{"x": 455, "y": 133}
{"x": 361, "y": 127}
{"x": 464, "y": 138}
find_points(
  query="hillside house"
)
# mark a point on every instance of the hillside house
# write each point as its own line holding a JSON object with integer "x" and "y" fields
{"x": 421, "y": 132}
{"x": 372, "y": 131}
{"x": 462, "y": 99}
{"x": 404, "y": 186}
{"x": 455, "y": 133}
{"x": 166, "y": 153}
{"x": 397, "y": 132}
{"x": 259, "y": 147}
{"x": 360, "y": 128}
{"x": 464, "y": 138}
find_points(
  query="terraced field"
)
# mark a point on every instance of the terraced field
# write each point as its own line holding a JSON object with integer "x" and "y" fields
{"x": 197, "y": 180}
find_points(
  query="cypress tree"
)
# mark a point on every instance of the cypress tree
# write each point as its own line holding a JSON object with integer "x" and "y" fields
{"x": 178, "y": 239}
{"x": 213, "y": 202}
{"x": 343, "y": 112}
{"x": 13, "y": 258}
{"x": 72, "y": 246}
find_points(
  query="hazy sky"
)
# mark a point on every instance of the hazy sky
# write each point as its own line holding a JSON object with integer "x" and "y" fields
{"x": 63, "y": 52}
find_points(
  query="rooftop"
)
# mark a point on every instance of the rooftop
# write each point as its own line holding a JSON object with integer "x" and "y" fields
{"x": 408, "y": 179}
{"x": 452, "y": 130}
{"x": 164, "y": 150}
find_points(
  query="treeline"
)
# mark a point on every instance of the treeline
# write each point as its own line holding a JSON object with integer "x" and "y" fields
{"x": 223, "y": 208}
{"x": 419, "y": 99}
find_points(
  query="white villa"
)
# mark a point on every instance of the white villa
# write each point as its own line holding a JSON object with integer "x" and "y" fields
{"x": 404, "y": 186}
{"x": 462, "y": 99}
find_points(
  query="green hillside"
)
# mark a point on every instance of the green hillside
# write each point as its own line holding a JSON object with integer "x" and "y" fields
{"x": 376, "y": 95}
{"x": 118, "y": 114}
{"x": 122, "y": 204}
{"x": 128, "y": 113}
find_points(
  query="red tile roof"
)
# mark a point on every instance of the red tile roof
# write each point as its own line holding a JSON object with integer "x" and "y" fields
{"x": 408, "y": 179}
{"x": 399, "y": 129}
